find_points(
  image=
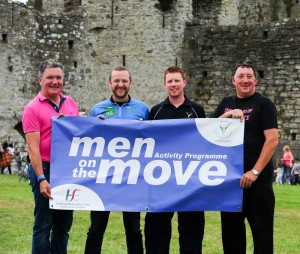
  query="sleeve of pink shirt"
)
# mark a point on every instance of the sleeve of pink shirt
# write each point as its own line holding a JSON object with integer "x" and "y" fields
{"x": 30, "y": 120}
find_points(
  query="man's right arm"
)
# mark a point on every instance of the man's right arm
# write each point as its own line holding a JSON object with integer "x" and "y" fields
{"x": 33, "y": 142}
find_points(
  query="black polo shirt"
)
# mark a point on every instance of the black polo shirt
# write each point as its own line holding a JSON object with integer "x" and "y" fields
{"x": 166, "y": 110}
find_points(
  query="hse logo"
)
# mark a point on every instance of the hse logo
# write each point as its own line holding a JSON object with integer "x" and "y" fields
{"x": 71, "y": 195}
{"x": 188, "y": 114}
{"x": 224, "y": 131}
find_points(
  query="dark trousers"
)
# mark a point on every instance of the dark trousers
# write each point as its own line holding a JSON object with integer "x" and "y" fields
{"x": 258, "y": 208}
{"x": 296, "y": 179}
{"x": 99, "y": 220}
{"x": 158, "y": 231}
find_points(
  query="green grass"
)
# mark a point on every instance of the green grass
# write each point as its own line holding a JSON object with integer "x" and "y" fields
{"x": 16, "y": 219}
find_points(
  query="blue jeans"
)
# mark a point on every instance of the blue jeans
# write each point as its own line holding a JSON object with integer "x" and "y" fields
{"x": 286, "y": 172}
{"x": 99, "y": 220}
{"x": 51, "y": 227}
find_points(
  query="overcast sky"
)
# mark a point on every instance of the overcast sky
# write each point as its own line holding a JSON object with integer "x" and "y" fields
{"x": 22, "y": 1}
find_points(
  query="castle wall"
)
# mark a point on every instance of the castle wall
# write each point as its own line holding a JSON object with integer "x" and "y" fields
{"x": 205, "y": 37}
{"x": 212, "y": 52}
{"x": 89, "y": 40}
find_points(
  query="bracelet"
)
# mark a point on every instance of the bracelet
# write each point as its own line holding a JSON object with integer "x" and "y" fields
{"x": 41, "y": 178}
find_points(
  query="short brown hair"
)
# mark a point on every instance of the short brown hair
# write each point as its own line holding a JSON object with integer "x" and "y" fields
{"x": 120, "y": 68}
{"x": 174, "y": 69}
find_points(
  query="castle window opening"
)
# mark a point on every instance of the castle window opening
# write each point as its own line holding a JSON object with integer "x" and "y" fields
{"x": 75, "y": 64}
{"x": 163, "y": 21}
{"x": 59, "y": 21}
{"x": 124, "y": 60}
{"x": 293, "y": 136}
{"x": 204, "y": 74}
{"x": 165, "y": 5}
{"x": 112, "y": 13}
{"x": 265, "y": 34}
{"x": 68, "y": 6}
{"x": 4, "y": 38}
{"x": 261, "y": 74}
{"x": 71, "y": 44}
{"x": 38, "y": 4}
{"x": 176, "y": 62}
{"x": 195, "y": 7}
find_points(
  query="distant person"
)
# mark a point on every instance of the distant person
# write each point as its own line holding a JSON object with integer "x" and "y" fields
{"x": 11, "y": 149}
{"x": 5, "y": 159}
{"x": 260, "y": 142}
{"x": 51, "y": 227}
{"x": 295, "y": 171}
{"x": 119, "y": 106}
{"x": 278, "y": 172}
{"x": 287, "y": 159}
{"x": 18, "y": 159}
{"x": 158, "y": 229}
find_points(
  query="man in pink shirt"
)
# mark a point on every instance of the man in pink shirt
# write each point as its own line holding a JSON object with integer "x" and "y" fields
{"x": 51, "y": 227}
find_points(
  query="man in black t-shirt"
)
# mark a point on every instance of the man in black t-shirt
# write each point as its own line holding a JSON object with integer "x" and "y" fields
{"x": 190, "y": 224}
{"x": 260, "y": 141}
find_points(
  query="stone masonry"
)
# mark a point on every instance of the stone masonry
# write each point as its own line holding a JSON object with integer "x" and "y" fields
{"x": 204, "y": 37}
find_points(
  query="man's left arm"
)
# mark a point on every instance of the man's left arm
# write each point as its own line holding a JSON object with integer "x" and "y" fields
{"x": 265, "y": 156}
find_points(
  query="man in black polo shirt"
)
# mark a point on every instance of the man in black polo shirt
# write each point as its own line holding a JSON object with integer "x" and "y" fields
{"x": 190, "y": 224}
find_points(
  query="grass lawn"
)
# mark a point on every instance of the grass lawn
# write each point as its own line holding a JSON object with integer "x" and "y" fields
{"x": 16, "y": 219}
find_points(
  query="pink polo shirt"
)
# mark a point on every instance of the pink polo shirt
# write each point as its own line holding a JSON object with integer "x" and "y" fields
{"x": 37, "y": 116}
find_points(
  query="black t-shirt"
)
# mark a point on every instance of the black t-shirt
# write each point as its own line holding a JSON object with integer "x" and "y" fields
{"x": 166, "y": 110}
{"x": 260, "y": 115}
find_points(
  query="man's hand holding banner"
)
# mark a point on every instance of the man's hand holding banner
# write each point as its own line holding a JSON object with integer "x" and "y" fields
{"x": 146, "y": 166}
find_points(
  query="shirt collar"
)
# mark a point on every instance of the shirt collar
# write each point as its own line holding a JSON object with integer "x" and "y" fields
{"x": 43, "y": 98}
{"x": 112, "y": 100}
{"x": 186, "y": 101}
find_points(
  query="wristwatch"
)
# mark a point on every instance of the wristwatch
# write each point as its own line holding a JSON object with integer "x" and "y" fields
{"x": 41, "y": 178}
{"x": 255, "y": 172}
